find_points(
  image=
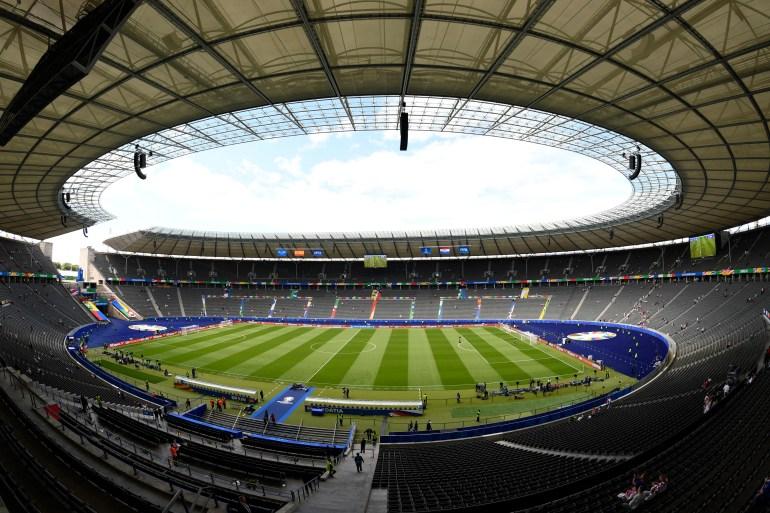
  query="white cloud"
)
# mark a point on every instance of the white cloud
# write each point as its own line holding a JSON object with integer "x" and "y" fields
{"x": 445, "y": 182}
{"x": 319, "y": 138}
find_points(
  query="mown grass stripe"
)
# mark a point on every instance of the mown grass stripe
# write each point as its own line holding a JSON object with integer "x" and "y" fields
{"x": 207, "y": 349}
{"x": 450, "y": 367}
{"x": 130, "y": 371}
{"x": 394, "y": 367}
{"x": 181, "y": 340}
{"x": 509, "y": 370}
{"x": 283, "y": 364}
{"x": 539, "y": 356}
{"x": 339, "y": 365}
{"x": 422, "y": 366}
{"x": 235, "y": 359}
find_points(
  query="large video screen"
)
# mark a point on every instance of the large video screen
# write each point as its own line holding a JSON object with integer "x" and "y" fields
{"x": 375, "y": 261}
{"x": 703, "y": 246}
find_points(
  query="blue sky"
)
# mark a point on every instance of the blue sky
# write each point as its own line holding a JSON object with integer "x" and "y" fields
{"x": 357, "y": 182}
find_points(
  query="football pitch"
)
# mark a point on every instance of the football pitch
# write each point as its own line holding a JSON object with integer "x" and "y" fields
{"x": 381, "y": 358}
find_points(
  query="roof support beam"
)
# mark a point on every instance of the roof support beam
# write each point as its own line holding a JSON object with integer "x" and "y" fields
{"x": 312, "y": 36}
{"x": 682, "y": 8}
{"x": 537, "y": 13}
{"x": 414, "y": 34}
{"x": 171, "y": 16}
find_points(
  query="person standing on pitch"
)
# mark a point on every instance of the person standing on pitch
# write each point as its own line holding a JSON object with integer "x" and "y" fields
{"x": 359, "y": 462}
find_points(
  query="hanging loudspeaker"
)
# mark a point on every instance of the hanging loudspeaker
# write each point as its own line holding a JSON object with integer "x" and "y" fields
{"x": 637, "y": 168}
{"x": 137, "y": 168}
{"x": 404, "y": 126}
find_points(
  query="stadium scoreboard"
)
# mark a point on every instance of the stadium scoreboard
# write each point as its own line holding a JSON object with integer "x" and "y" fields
{"x": 375, "y": 261}
{"x": 703, "y": 246}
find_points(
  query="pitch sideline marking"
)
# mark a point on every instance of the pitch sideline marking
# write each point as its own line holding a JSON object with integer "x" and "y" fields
{"x": 537, "y": 346}
{"x": 491, "y": 363}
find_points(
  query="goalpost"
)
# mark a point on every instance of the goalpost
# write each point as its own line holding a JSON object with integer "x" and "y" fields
{"x": 526, "y": 336}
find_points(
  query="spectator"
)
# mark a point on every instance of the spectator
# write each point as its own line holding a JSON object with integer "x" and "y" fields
{"x": 627, "y": 496}
{"x": 330, "y": 467}
{"x": 173, "y": 450}
{"x": 725, "y": 389}
{"x": 243, "y": 506}
{"x": 658, "y": 486}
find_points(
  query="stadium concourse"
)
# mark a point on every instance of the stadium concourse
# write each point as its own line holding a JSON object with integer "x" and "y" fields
{"x": 651, "y": 316}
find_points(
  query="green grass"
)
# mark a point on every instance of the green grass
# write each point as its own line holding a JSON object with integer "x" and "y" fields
{"x": 383, "y": 358}
{"x": 382, "y": 363}
{"x": 130, "y": 371}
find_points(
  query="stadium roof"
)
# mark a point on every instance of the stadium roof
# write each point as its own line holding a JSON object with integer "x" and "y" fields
{"x": 689, "y": 80}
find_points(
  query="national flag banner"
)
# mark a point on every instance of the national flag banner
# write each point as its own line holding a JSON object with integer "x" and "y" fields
{"x": 426, "y": 251}
{"x": 445, "y": 250}
{"x": 282, "y": 252}
{"x": 299, "y": 252}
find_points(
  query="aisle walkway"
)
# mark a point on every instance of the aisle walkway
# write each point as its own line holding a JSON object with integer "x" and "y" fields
{"x": 348, "y": 490}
